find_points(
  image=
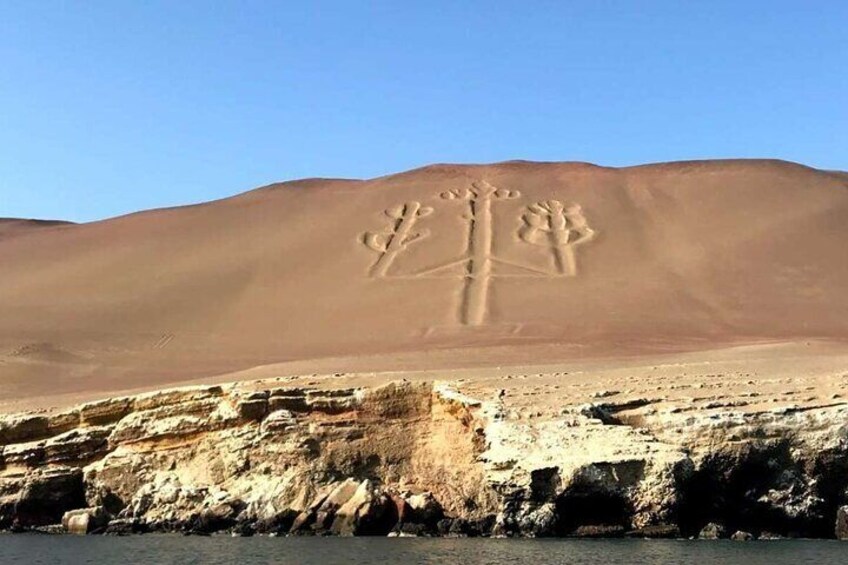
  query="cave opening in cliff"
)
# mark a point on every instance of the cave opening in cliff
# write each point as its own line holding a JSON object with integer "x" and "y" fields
{"x": 592, "y": 505}
{"x": 752, "y": 490}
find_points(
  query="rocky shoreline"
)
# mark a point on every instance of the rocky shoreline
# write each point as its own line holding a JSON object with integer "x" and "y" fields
{"x": 419, "y": 459}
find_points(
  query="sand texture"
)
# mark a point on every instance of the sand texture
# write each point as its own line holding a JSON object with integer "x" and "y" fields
{"x": 440, "y": 268}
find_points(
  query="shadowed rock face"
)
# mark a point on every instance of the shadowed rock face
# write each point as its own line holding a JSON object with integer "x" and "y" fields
{"x": 416, "y": 459}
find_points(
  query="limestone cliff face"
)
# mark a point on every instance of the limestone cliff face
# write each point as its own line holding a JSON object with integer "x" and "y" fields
{"x": 418, "y": 458}
{"x": 180, "y": 458}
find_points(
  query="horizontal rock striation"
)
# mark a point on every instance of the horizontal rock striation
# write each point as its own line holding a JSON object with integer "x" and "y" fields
{"x": 420, "y": 458}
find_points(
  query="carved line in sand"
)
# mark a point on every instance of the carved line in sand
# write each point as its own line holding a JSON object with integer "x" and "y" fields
{"x": 163, "y": 341}
{"x": 558, "y": 223}
{"x": 394, "y": 238}
{"x": 549, "y": 224}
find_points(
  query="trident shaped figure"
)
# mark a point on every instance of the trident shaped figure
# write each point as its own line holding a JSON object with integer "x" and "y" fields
{"x": 549, "y": 224}
{"x": 478, "y": 260}
{"x": 565, "y": 228}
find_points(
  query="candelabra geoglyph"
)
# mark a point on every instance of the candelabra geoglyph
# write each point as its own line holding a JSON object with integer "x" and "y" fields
{"x": 549, "y": 224}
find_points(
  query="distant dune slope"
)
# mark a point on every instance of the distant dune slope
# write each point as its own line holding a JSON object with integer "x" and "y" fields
{"x": 594, "y": 260}
{"x": 10, "y": 227}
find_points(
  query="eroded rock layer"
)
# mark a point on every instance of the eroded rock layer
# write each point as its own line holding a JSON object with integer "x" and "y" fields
{"x": 422, "y": 458}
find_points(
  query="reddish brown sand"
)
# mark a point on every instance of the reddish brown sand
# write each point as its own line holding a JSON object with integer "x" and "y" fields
{"x": 11, "y": 227}
{"x": 667, "y": 259}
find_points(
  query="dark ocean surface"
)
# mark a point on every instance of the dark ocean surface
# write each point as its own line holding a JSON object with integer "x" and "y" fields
{"x": 31, "y": 549}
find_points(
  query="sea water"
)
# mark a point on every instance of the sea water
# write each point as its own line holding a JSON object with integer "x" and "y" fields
{"x": 154, "y": 549}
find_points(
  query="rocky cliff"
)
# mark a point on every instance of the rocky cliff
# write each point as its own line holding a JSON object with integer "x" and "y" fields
{"x": 424, "y": 458}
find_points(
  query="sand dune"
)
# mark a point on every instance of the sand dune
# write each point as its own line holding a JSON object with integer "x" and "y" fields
{"x": 10, "y": 227}
{"x": 438, "y": 267}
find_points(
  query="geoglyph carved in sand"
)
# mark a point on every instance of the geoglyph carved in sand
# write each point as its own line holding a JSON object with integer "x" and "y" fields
{"x": 396, "y": 236}
{"x": 552, "y": 224}
{"x": 548, "y": 224}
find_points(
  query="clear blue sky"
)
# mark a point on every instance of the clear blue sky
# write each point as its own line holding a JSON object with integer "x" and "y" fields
{"x": 112, "y": 106}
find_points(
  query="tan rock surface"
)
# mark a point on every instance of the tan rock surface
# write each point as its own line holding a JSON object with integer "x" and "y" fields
{"x": 547, "y": 455}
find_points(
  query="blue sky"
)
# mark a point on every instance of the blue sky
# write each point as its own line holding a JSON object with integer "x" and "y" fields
{"x": 108, "y": 107}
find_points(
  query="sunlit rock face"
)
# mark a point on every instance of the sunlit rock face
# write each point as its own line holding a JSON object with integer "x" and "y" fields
{"x": 420, "y": 458}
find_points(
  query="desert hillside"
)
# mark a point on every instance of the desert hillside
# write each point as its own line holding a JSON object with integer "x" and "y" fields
{"x": 448, "y": 266}
{"x": 10, "y": 227}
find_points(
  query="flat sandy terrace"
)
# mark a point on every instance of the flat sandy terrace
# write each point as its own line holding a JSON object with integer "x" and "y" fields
{"x": 749, "y": 378}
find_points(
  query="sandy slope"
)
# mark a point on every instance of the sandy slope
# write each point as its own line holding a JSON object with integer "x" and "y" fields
{"x": 11, "y": 227}
{"x": 661, "y": 259}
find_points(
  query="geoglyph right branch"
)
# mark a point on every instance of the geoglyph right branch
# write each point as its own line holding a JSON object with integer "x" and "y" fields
{"x": 551, "y": 224}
